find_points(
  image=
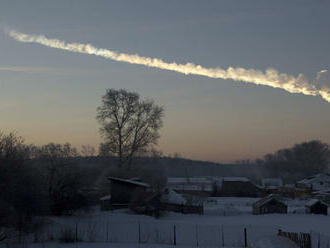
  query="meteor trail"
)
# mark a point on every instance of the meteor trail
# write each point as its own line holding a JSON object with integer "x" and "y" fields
{"x": 270, "y": 77}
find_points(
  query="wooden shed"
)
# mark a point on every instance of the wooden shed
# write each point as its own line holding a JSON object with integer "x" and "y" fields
{"x": 122, "y": 190}
{"x": 270, "y": 205}
{"x": 237, "y": 187}
{"x": 315, "y": 206}
{"x": 105, "y": 202}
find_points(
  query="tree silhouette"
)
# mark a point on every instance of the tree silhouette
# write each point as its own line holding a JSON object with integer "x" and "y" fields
{"x": 129, "y": 124}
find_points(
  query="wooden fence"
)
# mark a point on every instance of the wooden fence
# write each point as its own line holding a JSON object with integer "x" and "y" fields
{"x": 303, "y": 240}
{"x": 185, "y": 209}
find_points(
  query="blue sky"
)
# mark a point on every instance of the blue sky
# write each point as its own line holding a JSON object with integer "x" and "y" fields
{"x": 52, "y": 95}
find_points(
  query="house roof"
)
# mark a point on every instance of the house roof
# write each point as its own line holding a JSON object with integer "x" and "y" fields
{"x": 105, "y": 198}
{"x": 187, "y": 180}
{"x": 271, "y": 182}
{"x": 267, "y": 199}
{"x": 129, "y": 181}
{"x": 317, "y": 182}
{"x": 191, "y": 183}
{"x": 235, "y": 179}
{"x": 191, "y": 187}
{"x": 173, "y": 197}
{"x": 312, "y": 202}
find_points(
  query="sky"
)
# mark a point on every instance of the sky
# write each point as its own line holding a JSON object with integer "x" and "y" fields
{"x": 51, "y": 95}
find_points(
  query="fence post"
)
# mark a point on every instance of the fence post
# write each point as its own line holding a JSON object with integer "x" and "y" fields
{"x": 139, "y": 233}
{"x": 319, "y": 241}
{"x": 197, "y": 235}
{"x": 279, "y": 232}
{"x": 107, "y": 231}
{"x": 245, "y": 238}
{"x": 174, "y": 233}
{"x": 223, "y": 237}
{"x": 76, "y": 232}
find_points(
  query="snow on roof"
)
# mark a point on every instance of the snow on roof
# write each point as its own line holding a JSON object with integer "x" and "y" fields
{"x": 204, "y": 180}
{"x": 191, "y": 183}
{"x": 105, "y": 198}
{"x": 192, "y": 187}
{"x": 322, "y": 192}
{"x": 311, "y": 202}
{"x": 178, "y": 180}
{"x": 235, "y": 179}
{"x": 289, "y": 186}
{"x": 271, "y": 182}
{"x": 130, "y": 181}
{"x": 316, "y": 178}
{"x": 267, "y": 199}
{"x": 173, "y": 197}
{"x": 317, "y": 182}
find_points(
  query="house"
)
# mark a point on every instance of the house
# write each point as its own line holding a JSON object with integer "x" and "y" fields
{"x": 200, "y": 186}
{"x": 214, "y": 186}
{"x": 315, "y": 183}
{"x": 270, "y": 205}
{"x": 323, "y": 195}
{"x": 271, "y": 183}
{"x": 236, "y": 187}
{"x": 122, "y": 190}
{"x": 315, "y": 206}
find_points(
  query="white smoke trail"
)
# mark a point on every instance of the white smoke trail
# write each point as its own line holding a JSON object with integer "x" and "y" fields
{"x": 270, "y": 77}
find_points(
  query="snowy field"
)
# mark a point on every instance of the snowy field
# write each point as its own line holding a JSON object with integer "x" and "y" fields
{"x": 222, "y": 225}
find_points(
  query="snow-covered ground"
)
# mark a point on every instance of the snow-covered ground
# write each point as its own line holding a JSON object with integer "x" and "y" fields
{"x": 213, "y": 229}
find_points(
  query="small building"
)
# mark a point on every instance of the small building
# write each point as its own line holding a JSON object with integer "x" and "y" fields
{"x": 316, "y": 182}
{"x": 105, "y": 202}
{"x": 122, "y": 191}
{"x": 236, "y": 187}
{"x": 270, "y": 205}
{"x": 199, "y": 186}
{"x": 315, "y": 206}
{"x": 323, "y": 195}
{"x": 271, "y": 183}
{"x": 271, "y": 186}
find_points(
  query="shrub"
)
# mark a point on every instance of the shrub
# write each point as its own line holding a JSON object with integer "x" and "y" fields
{"x": 68, "y": 235}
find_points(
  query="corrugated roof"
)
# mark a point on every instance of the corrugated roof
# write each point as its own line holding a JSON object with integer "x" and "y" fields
{"x": 271, "y": 182}
{"x": 311, "y": 202}
{"x": 104, "y": 198}
{"x": 267, "y": 199}
{"x": 235, "y": 179}
{"x": 146, "y": 185}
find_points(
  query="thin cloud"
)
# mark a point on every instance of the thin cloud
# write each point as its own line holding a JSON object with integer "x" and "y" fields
{"x": 28, "y": 69}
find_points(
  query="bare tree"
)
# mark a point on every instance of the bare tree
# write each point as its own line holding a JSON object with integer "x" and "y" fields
{"x": 62, "y": 177}
{"x": 299, "y": 161}
{"x": 87, "y": 150}
{"x": 20, "y": 183}
{"x": 12, "y": 147}
{"x": 129, "y": 124}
